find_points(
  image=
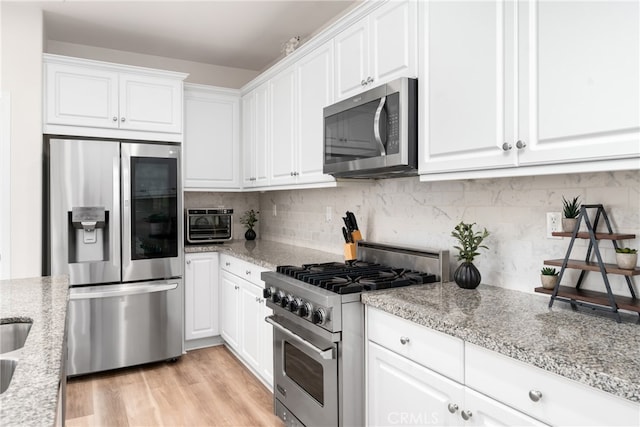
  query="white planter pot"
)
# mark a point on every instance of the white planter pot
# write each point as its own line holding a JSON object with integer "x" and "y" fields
{"x": 548, "y": 282}
{"x": 569, "y": 224}
{"x": 627, "y": 261}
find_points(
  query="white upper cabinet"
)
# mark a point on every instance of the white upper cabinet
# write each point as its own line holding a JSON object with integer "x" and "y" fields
{"x": 507, "y": 84}
{"x": 211, "y": 147}
{"x": 92, "y": 98}
{"x": 255, "y": 137}
{"x": 283, "y": 127}
{"x": 377, "y": 49}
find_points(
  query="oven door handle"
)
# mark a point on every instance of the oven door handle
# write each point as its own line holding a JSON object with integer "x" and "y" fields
{"x": 326, "y": 354}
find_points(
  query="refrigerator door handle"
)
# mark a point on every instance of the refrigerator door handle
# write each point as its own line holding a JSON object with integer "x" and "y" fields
{"x": 110, "y": 291}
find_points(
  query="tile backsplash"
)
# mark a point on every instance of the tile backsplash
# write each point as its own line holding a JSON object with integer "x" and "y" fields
{"x": 407, "y": 212}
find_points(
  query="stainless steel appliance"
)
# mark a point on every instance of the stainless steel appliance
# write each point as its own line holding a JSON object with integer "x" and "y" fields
{"x": 115, "y": 228}
{"x": 318, "y": 321}
{"x": 209, "y": 225}
{"x": 373, "y": 134}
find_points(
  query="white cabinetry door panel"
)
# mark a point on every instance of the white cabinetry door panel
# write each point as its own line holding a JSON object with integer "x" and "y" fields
{"x": 248, "y": 138}
{"x": 401, "y": 392}
{"x": 150, "y": 103}
{"x": 465, "y": 112}
{"x": 229, "y": 306}
{"x": 393, "y": 41}
{"x": 81, "y": 96}
{"x": 581, "y": 91}
{"x": 211, "y": 139}
{"x": 250, "y": 323}
{"x": 352, "y": 58}
{"x": 484, "y": 411}
{"x": 261, "y": 135}
{"x": 315, "y": 91}
{"x": 201, "y": 296}
{"x": 283, "y": 129}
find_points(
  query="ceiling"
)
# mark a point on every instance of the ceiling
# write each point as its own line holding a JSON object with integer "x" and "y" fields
{"x": 246, "y": 34}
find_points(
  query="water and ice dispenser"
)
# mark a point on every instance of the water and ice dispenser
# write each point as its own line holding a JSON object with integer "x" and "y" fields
{"x": 88, "y": 234}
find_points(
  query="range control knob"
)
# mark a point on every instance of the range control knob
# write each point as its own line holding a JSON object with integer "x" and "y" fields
{"x": 267, "y": 292}
{"x": 319, "y": 316}
{"x": 305, "y": 310}
{"x": 284, "y": 302}
{"x": 295, "y": 305}
{"x": 277, "y": 297}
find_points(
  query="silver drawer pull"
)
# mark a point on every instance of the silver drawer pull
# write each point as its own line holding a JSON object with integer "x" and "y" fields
{"x": 466, "y": 415}
{"x": 247, "y": 272}
{"x": 453, "y": 408}
{"x": 535, "y": 395}
{"x": 404, "y": 340}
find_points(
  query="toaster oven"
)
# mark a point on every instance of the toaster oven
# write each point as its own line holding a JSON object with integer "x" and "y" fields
{"x": 209, "y": 225}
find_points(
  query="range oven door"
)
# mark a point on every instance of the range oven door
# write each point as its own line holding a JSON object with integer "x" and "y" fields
{"x": 305, "y": 373}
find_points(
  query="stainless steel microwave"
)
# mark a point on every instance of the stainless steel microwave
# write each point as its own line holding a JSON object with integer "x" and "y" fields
{"x": 373, "y": 134}
{"x": 209, "y": 225}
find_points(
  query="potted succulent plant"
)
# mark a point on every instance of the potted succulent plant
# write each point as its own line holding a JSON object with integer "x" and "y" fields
{"x": 549, "y": 277}
{"x": 249, "y": 219}
{"x": 570, "y": 211}
{"x": 467, "y": 275}
{"x": 626, "y": 258}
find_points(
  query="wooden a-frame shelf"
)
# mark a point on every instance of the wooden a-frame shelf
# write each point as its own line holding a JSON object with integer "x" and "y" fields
{"x": 593, "y": 266}
{"x": 599, "y": 236}
{"x": 594, "y": 297}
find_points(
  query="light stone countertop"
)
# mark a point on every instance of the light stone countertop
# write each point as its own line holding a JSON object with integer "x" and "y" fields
{"x": 594, "y": 350}
{"x": 267, "y": 254}
{"x": 32, "y": 396}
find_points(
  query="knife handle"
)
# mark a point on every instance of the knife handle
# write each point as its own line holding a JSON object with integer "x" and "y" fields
{"x": 356, "y": 235}
{"x": 349, "y": 251}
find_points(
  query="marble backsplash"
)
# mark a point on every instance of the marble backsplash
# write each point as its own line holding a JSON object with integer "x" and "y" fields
{"x": 407, "y": 212}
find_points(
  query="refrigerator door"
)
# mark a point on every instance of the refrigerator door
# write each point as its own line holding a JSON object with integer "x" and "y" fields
{"x": 151, "y": 212}
{"x": 84, "y": 210}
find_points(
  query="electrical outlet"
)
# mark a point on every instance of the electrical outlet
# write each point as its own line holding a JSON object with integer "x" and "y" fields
{"x": 328, "y": 215}
{"x": 554, "y": 223}
{"x": 275, "y": 210}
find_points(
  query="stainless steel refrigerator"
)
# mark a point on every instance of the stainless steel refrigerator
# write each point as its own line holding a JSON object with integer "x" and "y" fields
{"x": 114, "y": 225}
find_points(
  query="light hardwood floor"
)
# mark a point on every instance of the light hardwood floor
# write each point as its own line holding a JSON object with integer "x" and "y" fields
{"x": 206, "y": 387}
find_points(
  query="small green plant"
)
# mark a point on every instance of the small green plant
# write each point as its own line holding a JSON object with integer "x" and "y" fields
{"x": 626, "y": 251}
{"x": 549, "y": 271}
{"x": 249, "y": 218}
{"x": 470, "y": 241}
{"x": 571, "y": 209}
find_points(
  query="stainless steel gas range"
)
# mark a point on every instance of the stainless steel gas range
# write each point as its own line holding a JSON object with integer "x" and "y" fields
{"x": 318, "y": 323}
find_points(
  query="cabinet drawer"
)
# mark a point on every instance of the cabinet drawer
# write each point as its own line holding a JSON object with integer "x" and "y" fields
{"x": 435, "y": 350}
{"x": 563, "y": 401}
{"x": 241, "y": 268}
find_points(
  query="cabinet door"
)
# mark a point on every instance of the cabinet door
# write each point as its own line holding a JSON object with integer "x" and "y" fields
{"x": 352, "y": 59}
{"x": 250, "y": 323}
{"x": 211, "y": 146}
{"x": 401, "y": 392}
{"x": 201, "y": 295}
{"x": 467, "y": 86}
{"x": 484, "y": 411}
{"x": 283, "y": 128}
{"x": 150, "y": 103}
{"x": 580, "y": 83}
{"x": 229, "y": 306}
{"x": 266, "y": 345}
{"x": 261, "y": 136}
{"x": 315, "y": 91}
{"x": 394, "y": 41}
{"x": 248, "y": 138}
{"x": 81, "y": 96}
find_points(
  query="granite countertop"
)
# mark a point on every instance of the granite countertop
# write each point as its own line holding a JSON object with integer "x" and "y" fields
{"x": 32, "y": 396}
{"x": 266, "y": 253}
{"x": 590, "y": 349}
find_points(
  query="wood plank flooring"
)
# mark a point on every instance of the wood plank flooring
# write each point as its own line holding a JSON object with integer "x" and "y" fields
{"x": 206, "y": 387}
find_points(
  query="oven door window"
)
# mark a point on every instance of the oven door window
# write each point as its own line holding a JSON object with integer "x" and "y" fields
{"x": 304, "y": 371}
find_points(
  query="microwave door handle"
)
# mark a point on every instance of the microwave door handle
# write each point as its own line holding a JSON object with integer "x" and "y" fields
{"x": 376, "y": 126}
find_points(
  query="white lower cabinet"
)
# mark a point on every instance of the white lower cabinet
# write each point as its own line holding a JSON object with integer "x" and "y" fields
{"x": 201, "y": 296}
{"x": 242, "y": 311}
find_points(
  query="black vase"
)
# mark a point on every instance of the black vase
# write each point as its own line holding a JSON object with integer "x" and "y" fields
{"x": 467, "y": 276}
{"x": 250, "y": 234}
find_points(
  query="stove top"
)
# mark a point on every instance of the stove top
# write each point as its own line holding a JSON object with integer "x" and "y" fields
{"x": 355, "y": 276}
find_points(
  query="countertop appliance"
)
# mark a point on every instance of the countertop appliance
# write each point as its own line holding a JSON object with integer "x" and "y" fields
{"x": 209, "y": 225}
{"x": 114, "y": 226}
{"x": 373, "y": 134}
{"x": 318, "y": 323}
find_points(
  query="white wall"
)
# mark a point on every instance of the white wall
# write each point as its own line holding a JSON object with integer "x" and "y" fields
{"x": 206, "y": 74}
{"x": 22, "y": 80}
{"x": 407, "y": 212}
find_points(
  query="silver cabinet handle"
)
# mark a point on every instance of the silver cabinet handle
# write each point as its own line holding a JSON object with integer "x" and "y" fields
{"x": 520, "y": 145}
{"x": 236, "y": 287}
{"x": 466, "y": 415}
{"x": 188, "y": 261}
{"x": 453, "y": 408}
{"x": 227, "y": 263}
{"x": 506, "y": 146}
{"x": 248, "y": 272}
{"x": 115, "y": 119}
{"x": 369, "y": 80}
{"x": 257, "y": 299}
{"x": 291, "y": 173}
{"x": 376, "y": 127}
{"x": 535, "y": 395}
{"x": 363, "y": 82}
{"x": 122, "y": 119}
{"x": 404, "y": 340}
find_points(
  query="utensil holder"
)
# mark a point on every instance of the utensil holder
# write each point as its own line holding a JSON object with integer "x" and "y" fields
{"x": 349, "y": 251}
